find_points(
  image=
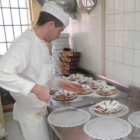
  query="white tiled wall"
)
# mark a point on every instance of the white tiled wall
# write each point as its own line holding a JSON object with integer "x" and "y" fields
{"x": 122, "y": 41}
{"x": 86, "y": 36}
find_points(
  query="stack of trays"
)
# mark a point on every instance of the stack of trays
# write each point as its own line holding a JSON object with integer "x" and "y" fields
{"x": 68, "y": 62}
{"x": 57, "y": 46}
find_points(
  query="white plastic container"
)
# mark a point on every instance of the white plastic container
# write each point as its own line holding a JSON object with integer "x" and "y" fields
{"x": 57, "y": 46}
{"x": 56, "y": 50}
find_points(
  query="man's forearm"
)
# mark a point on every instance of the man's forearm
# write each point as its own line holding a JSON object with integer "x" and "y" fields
{"x": 16, "y": 84}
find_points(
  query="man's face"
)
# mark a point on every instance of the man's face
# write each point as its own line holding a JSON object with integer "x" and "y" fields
{"x": 54, "y": 33}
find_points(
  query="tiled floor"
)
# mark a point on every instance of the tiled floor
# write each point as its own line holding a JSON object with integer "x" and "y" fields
{"x": 12, "y": 128}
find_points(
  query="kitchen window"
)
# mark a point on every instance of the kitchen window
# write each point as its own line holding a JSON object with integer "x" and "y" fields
{"x": 15, "y": 18}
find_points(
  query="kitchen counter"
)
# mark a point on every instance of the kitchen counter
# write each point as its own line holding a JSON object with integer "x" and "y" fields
{"x": 130, "y": 100}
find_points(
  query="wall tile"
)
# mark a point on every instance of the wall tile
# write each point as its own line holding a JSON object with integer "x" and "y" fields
{"x": 136, "y": 75}
{"x": 128, "y": 56}
{"x": 137, "y": 58}
{"x": 109, "y": 76}
{"x": 137, "y": 21}
{"x": 137, "y": 85}
{"x": 110, "y": 22}
{"x": 119, "y": 80}
{"x": 129, "y": 21}
{"x": 110, "y": 53}
{"x": 119, "y": 38}
{"x": 137, "y": 5}
{"x": 119, "y": 6}
{"x": 110, "y": 6}
{"x": 127, "y": 72}
{"x": 129, "y": 5}
{"x": 109, "y": 67}
{"x": 137, "y": 40}
{"x": 127, "y": 83}
{"x": 118, "y": 54}
{"x": 123, "y": 41}
{"x": 118, "y": 70}
{"x": 128, "y": 39}
{"x": 110, "y": 38}
{"x": 118, "y": 21}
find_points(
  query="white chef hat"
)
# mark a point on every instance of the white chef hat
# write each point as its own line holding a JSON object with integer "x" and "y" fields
{"x": 54, "y": 9}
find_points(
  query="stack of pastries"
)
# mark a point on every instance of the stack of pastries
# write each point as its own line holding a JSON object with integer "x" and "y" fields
{"x": 68, "y": 61}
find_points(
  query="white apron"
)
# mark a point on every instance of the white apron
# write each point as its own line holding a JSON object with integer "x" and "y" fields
{"x": 30, "y": 111}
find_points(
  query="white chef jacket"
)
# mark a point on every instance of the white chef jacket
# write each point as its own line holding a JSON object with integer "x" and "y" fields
{"x": 26, "y": 63}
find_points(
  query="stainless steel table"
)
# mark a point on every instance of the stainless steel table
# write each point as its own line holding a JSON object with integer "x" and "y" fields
{"x": 77, "y": 133}
{"x": 130, "y": 100}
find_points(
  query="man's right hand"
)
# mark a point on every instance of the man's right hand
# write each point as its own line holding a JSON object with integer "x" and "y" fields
{"x": 41, "y": 93}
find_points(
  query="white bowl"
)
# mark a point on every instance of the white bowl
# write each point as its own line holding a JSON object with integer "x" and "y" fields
{"x": 56, "y": 51}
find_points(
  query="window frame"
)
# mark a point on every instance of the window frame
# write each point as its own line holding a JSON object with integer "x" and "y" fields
{"x": 29, "y": 19}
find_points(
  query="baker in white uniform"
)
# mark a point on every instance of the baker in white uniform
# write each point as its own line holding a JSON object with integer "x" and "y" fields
{"x": 26, "y": 71}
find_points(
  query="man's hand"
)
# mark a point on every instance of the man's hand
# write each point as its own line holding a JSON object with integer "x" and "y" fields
{"x": 71, "y": 86}
{"x": 41, "y": 93}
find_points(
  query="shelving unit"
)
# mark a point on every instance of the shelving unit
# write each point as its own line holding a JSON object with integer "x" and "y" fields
{"x": 2, "y": 123}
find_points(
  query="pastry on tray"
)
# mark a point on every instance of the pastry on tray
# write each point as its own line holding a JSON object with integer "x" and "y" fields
{"x": 69, "y": 59}
{"x": 108, "y": 107}
{"x": 107, "y": 91}
{"x": 63, "y": 95}
{"x": 74, "y": 77}
{"x": 53, "y": 90}
{"x": 85, "y": 80}
{"x": 65, "y": 64}
{"x": 87, "y": 90}
{"x": 66, "y": 72}
{"x": 70, "y": 53}
{"x": 66, "y": 53}
{"x": 94, "y": 86}
{"x": 69, "y": 67}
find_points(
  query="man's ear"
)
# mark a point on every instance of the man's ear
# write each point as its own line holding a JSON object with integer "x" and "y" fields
{"x": 51, "y": 24}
